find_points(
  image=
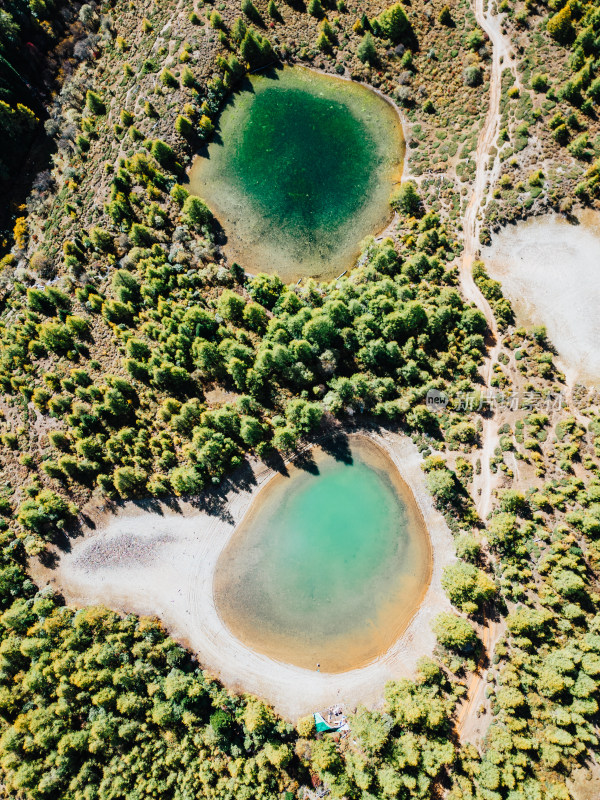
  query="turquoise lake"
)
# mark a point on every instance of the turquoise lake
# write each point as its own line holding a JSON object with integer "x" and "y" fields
{"x": 329, "y": 565}
{"x": 300, "y": 169}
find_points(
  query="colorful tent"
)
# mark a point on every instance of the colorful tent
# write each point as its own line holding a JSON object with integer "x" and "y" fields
{"x": 322, "y": 726}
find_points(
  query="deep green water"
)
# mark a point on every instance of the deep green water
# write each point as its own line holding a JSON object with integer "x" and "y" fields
{"x": 328, "y": 566}
{"x": 301, "y": 169}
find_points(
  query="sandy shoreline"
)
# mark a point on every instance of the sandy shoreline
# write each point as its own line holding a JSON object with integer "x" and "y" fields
{"x": 247, "y": 244}
{"x": 161, "y": 563}
{"x": 359, "y": 640}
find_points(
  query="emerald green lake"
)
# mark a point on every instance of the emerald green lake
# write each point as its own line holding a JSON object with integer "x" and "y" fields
{"x": 300, "y": 169}
{"x": 329, "y": 565}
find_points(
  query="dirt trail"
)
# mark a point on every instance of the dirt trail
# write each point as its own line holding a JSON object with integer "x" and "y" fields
{"x": 501, "y": 59}
{"x": 468, "y": 725}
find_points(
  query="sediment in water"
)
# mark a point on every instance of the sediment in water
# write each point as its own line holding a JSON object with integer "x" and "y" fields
{"x": 300, "y": 169}
{"x": 330, "y": 563}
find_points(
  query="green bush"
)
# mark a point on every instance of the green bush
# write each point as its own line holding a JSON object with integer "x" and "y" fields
{"x": 46, "y": 510}
{"x": 195, "y": 212}
{"x": 472, "y": 76}
{"x": 455, "y": 633}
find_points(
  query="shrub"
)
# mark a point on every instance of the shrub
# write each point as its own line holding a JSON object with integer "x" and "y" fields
{"x": 472, "y": 76}
{"x": 455, "y": 633}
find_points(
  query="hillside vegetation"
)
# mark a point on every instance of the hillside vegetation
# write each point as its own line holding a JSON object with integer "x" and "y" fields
{"x": 137, "y": 362}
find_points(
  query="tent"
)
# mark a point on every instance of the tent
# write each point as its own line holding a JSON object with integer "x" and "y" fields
{"x": 322, "y": 726}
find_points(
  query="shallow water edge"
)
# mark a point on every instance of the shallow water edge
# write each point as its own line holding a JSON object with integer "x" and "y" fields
{"x": 369, "y": 623}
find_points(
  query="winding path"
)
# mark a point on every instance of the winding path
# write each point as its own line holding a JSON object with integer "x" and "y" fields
{"x": 484, "y": 177}
{"x": 501, "y": 60}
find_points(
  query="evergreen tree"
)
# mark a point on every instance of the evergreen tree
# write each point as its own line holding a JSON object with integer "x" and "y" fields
{"x": 393, "y": 23}
{"x": 366, "y": 51}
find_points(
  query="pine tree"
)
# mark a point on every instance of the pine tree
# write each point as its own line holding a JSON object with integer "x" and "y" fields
{"x": 445, "y": 17}
{"x": 315, "y": 9}
{"x": 94, "y": 103}
{"x": 250, "y": 10}
{"x": 184, "y": 126}
{"x": 255, "y": 49}
{"x": 366, "y": 49}
{"x": 394, "y": 23}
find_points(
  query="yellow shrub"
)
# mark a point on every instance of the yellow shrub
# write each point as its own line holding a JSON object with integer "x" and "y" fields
{"x": 20, "y": 232}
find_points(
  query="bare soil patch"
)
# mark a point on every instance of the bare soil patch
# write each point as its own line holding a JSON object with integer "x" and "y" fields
{"x": 550, "y": 271}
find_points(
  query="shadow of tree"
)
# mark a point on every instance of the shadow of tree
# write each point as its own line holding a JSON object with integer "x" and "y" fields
{"x": 337, "y": 444}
